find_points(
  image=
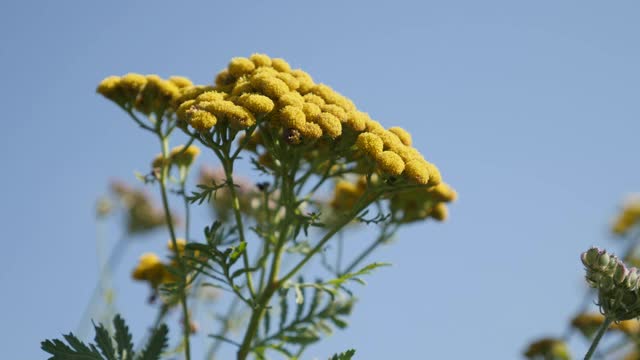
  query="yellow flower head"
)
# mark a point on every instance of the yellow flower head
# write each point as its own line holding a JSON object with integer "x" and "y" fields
{"x": 292, "y": 117}
{"x": 291, "y": 81}
{"x": 157, "y": 95}
{"x": 180, "y": 81}
{"x": 132, "y": 84}
{"x": 439, "y": 212}
{"x": 201, "y": 120}
{"x": 256, "y": 103}
{"x": 270, "y": 86}
{"x": 402, "y": 134}
{"x": 370, "y": 144}
{"x": 110, "y": 88}
{"x": 443, "y": 192}
{"x": 292, "y": 98}
{"x": 390, "y": 163}
{"x": 182, "y": 244}
{"x": 417, "y": 172}
{"x": 280, "y": 65}
{"x": 329, "y": 124}
{"x": 149, "y": 269}
{"x": 310, "y": 110}
{"x": 260, "y": 60}
{"x": 182, "y": 157}
{"x": 240, "y": 66}
{"x": 305, "y": 80}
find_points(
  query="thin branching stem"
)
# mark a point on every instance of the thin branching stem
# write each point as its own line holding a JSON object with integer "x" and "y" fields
{"x": 165, "y": 203}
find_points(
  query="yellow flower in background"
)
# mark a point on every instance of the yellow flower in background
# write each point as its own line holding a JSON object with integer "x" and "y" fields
{"x": 549, "y": 349}
{"x": 588, "y": 324}
{"x": 150, "y": 269}
{"x": 184, "y": 157}
{"x": 628, "y": 217}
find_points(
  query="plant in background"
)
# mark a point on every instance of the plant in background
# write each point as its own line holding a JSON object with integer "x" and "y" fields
{"x": 616, "y": 287}
{"x": 303, "y": 138}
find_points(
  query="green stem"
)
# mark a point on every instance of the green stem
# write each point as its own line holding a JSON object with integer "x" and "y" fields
{"x": 272, "y": 283}
{"x": 603, "y": 328}
{"x": 228, "y": 170}
{"x": 165, "y": 203}
{"x": 183, "y": 191}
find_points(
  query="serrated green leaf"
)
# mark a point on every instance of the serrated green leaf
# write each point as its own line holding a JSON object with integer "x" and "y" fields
{"x": 103, "y": 340}
{"x": 347, "y": 355}
{"x": 124, "y": 340}
{"x": 156, "y": 345}
{"x": 76, "y": 351}
{"x": 79, "y": 346}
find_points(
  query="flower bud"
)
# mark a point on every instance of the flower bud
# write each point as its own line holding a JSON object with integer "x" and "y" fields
{"x": 583, "y": 258}
{"x": 632, "y": 279}
{"x": 592, "y": 256}
{"x": 620, "y": 273}
{"x": 603, "y": 260}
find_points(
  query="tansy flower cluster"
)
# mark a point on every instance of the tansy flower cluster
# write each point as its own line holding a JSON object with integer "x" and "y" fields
{"x": 146, "y": 94}
{"x": 628, "y": 217}
{"x": 291, "y": 109}
{"x": 618, "y": 287}
{"x": 300, "y": 111}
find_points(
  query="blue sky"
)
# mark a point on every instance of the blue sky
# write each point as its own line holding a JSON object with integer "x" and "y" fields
{"x": 530, "y": 109}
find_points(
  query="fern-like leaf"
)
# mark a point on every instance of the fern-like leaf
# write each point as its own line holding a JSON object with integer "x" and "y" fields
{"x": 124, "y": 340}
{"x": 156, "y": 345}
{"x": 76, "y": 350}
{"x": 347, "y": 355}
{"x": 103, "y": 340}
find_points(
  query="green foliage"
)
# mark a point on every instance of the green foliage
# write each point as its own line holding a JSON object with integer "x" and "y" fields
{"x": 347, "y": 355}
{"x": 316, "y": 312}
{"x": 355, "y": 276}
{"x": 157, "y": 344}
{"x": 104, "y": 349}
{"x": 205, "y": 193}
{"x": 123, "y": 337}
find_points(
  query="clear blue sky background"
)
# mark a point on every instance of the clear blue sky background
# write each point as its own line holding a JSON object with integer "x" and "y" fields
{"x": 530, "y": 109}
